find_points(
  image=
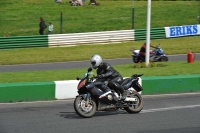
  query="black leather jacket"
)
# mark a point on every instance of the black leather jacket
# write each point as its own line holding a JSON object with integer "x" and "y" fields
{"x": 107, "y": 70}
{"x": 42, "y": 25}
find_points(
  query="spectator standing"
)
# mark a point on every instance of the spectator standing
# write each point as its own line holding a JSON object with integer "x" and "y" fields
{"x": 50, "y": 28}
{"x": 42, "y": 26}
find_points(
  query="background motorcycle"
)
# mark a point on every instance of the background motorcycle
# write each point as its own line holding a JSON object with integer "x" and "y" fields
{"x": 91, "y": 99}
{"x": 156, "y": 55}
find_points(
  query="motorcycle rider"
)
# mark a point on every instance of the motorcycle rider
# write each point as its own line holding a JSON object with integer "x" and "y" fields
{"x": 143, "y": 49}
{"x": 105, "y": 72}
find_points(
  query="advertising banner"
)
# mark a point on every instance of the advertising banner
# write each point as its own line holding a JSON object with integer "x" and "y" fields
{"x": 177, "y": 31}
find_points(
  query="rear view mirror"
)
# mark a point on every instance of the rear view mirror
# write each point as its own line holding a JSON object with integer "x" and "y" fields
{"x": 89, "y": 69}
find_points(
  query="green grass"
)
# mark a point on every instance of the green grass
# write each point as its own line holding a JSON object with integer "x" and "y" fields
{"x": 127, "y": 70}
{"x": 84, "y": 52}
{"x": 21, "y": 17}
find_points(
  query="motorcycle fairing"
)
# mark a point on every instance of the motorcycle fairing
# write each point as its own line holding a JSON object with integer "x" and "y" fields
{"x": 107, "y": 97}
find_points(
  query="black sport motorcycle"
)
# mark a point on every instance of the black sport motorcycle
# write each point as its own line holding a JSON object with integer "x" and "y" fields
{"x": 92, "y": 99}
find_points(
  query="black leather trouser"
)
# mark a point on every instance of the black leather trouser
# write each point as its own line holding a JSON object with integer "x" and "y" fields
{"x": 100, "y": 83}
{"x": 115, "y": 84}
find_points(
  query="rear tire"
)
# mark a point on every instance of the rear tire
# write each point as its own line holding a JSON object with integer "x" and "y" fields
{"x": 136, "y": 59}
{"x": 135, "y": 107}
{"x": 83, "y": 110}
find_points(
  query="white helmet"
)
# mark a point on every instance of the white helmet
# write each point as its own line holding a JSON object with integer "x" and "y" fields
{"x": 95, "y": 60}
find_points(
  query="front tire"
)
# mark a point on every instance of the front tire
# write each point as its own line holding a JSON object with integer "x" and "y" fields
{"x": 135, "y": 107}
{"x": 164, "y": 59}
{"x": 83, "y": 109}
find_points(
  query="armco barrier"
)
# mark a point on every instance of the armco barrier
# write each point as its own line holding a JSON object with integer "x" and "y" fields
{"x": 91, "y": 38}
{"x": 103, "y": 37}
{"x": 23, "y": 41}
{"x": 35, "y": 91}
{"x": 155, "y": 33}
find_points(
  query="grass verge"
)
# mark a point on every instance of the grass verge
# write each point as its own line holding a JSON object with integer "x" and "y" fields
{"x": 127, "y": 70}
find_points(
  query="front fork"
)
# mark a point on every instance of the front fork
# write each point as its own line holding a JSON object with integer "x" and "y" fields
{"x": 86, "y": 97}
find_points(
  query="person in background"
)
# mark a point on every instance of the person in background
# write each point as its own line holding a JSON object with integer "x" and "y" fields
{"x": 76, "y": 2}
{"x": 143, "y": 49}
{"x": 50, "y": 28}
{"x": 42, "y": 26}
{"x": 105, "y": 72}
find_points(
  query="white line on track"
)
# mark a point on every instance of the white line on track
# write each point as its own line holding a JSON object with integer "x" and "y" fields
{"x": 169, "y": 108}
{"x": 171, "y": 95}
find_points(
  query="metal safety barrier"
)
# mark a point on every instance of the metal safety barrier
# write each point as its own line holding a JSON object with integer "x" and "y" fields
{"x": 23, "y": 41}
{"x": 91, "y": 38}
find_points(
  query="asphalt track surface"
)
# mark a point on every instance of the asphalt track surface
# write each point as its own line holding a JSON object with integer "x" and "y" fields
{"x": 161, "y": 114}
{"x": 79, "y": 64}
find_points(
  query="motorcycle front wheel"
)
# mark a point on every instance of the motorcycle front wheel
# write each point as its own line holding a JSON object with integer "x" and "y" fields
{"x": 136, "y": 106}
{"x": 84, "y": 109}
{"x": 164, "y": 59}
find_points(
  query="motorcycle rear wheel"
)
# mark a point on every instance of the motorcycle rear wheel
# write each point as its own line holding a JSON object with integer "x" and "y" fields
{"x": 83, "y": 110}
{"x": 135, "y": 107}
{"x": 137, "y": 59}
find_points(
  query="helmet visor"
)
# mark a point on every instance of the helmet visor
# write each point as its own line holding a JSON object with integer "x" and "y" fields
{"x": 93, "y": 63}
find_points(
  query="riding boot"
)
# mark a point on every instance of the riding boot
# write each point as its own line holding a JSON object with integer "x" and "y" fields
{"x": 123, "y": 92}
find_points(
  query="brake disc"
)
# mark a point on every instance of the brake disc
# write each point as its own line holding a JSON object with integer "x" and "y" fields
{"x": 85, "y": 108}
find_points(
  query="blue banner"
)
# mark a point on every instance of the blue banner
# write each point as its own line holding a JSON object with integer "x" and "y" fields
{"x": 177, "y": 31}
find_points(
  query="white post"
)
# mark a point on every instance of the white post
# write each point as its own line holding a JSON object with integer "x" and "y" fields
{"x": 148, "y": 32}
